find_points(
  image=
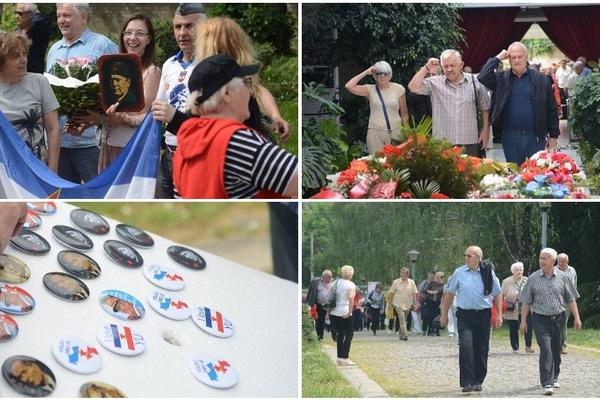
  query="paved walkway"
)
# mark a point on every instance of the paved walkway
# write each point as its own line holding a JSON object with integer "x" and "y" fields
{"x": 428, "y": 367}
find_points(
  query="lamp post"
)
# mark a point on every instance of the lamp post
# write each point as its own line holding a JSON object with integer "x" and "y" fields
{"x": 545, "y": 206}
{"x": 413, "y": 255}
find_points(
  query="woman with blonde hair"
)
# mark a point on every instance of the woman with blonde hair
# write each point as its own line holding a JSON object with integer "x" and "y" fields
{"x": 221, "y": 35}
{"x": 341, "y": 314}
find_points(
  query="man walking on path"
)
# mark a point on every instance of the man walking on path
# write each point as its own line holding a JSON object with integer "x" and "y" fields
{"x": 563, "y": 265}
{"x": 548, "y": 293}
{"x": 405, "y": 295}
{"x": 318, "y": 292}
{"x": 474, "y": 285}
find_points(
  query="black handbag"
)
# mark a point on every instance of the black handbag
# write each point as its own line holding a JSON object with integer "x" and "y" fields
{"x": 331, "y": 298}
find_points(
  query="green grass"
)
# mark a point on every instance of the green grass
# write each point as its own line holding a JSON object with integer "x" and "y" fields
{"x": 585, "y": 337}
{"x": 289, "y": 112}
{"x": 320, "y": 378}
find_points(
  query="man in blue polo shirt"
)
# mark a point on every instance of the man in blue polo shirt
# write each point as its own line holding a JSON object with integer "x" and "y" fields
{"x": 474, "y": 286}
{"x": 524, "y": 105}
{"x": 78, "y": 160}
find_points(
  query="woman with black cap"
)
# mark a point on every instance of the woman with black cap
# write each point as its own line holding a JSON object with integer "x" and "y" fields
{"x": 220, "y": 157}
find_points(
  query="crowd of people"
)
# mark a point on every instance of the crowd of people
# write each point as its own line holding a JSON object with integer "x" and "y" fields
{"x": 208, "y": 94}
{"x": 470, "y": 304}
{"x": 521, "y": 104}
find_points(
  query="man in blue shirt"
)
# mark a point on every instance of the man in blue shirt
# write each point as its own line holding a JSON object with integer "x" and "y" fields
{"x": 524, "y": 105}
{"x": 474, "y": 286}
{"x": 79, "y": 153}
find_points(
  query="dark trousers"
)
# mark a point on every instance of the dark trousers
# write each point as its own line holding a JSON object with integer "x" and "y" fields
{"x": 473, "y": 341}
{"x": 374, "y": 313}
{"x": 357, "y": 317}
{"x": 513, "y": 327}
{"x": 345, "y": 331}
{"x": 518, "y": 145}
{"x": 429, "y": 312}
{"x": 78, "y": 164}
{"x": 284, "y": 240}
{"x": 166, "y": 190}
{"x": 320, "y": 324}
{"x": 548, "y": 333}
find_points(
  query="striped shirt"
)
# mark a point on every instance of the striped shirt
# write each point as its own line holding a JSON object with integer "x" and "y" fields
{"x": 548, "y": 296}
{"x": 253, "y": 163}
{"x": 453, "y": 107}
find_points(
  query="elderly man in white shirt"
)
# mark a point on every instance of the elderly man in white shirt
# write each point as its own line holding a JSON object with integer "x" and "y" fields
{"x": 563, "y": 265}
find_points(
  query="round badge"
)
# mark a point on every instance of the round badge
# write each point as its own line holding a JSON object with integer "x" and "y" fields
{"x": 15, "y": 300}
{"x": 29, "y": 376}
{"x": 66, "y": 287}
{"x": 90, "y": 221}
{"x": 72, "y": 237}
{"x": 30, "y": 242}
{"x": 163, "y": 277}
{"x": 213, "y": 371}
{"x": 78, "y": 264}
{"x": 169, "y": 306}
{"x": 77, "y": 355}
{"x": 42, "y": 207}
{"x": 121, "y": 305}
{"x": 121, "y": 339}
{"x": 8, "y": 327}
{"x": 123, "y": 254}
{"x": 212, "y": 321}
{"x": 13, "y": 270}
{"x": 100, "y": 390}
{"x": 186, "y": 257}
{"x": 32, "y": 220}
{"x": 134, "y": 235}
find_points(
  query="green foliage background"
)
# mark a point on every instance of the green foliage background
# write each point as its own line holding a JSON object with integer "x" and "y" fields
{"x": 375, "y": 238}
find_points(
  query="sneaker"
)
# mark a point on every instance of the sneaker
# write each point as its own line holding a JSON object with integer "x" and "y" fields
{"x": 405, "y": 338}
{"x": 529, "y": 350}
{"x": 548, "y": 391}
{"x": 346, "y": 362}
{"x": 556, "y": 384}
{"x": 340, "y": 361}
{"x": 477, "y": 387}
{"x": 467, "y": 389}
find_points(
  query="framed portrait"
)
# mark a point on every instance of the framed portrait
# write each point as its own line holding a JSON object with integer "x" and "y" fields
{"x": 121, "y": 81}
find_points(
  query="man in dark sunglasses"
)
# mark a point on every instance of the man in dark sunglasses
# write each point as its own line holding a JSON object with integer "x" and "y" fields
{"x": 35, "y": 26}
{"x": 474, "y": 285}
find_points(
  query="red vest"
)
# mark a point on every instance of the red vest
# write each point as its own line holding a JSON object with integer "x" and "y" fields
{"x": 199, "y": 160}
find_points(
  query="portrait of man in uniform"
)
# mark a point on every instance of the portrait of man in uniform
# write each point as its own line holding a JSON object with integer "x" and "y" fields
{"x": 121, "y": 82}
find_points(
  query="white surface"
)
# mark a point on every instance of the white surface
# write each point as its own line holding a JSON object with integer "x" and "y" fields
{"x": 263, "y": 309}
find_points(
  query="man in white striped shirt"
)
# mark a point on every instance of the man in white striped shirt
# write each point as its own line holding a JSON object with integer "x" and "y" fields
{"x": 563, "y": 265}
{"x": 548, "y": 293}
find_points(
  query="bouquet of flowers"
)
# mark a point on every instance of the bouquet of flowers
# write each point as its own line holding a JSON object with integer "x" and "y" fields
{"x": 420, "y": 167}
{"x": 551, "y": 175}
{"x": 75, "y": 84}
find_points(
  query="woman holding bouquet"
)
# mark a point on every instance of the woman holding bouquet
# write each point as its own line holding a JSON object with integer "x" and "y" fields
{"x": 27, "y": 100}
{"x": 387, "y": 104}
{"x": 137, "y": 37}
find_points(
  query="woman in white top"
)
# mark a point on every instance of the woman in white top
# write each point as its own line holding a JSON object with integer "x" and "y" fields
{"x": 341, "y": 315}
{"x": 394, "y": 97}
{"x": 137, "y": 37}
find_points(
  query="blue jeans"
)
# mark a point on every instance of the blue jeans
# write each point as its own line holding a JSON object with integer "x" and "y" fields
{"x": 518, "y": 145}
{"x": 78, "y": 164}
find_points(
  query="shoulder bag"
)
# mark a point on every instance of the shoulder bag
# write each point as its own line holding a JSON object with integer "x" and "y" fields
{"x": 331, "y": 298}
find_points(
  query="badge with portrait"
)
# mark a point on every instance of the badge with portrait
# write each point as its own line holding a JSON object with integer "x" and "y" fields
{"x": 121, "y": 81}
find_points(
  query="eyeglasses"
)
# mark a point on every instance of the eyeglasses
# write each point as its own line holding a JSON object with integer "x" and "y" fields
{"x": 137, "y": 34}
{"x": 380, "y": 74}
{"x": 248, "y": 82}
{"x": 20, "y": 13}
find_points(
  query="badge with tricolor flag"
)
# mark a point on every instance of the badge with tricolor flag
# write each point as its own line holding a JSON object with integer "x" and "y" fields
{"x": 212, "y": 321}
{"x": 121, "y": 339}
{"x": 77, "y": 355}
{"x": 213, "y": 371}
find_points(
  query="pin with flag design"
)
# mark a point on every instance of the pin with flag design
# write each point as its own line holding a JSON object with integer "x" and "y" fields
{"x": 212, "y": 321}
{"x": 121, "y": 339}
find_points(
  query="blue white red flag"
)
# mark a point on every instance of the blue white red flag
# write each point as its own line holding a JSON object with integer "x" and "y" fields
{"x": 131, "y": 176}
